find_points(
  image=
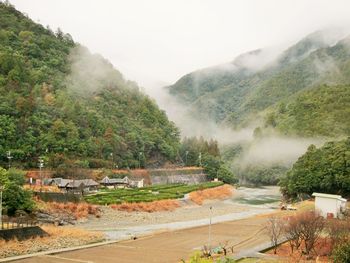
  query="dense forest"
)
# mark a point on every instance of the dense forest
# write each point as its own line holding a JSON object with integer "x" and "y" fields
{"x": 200, "y": 152}
{"x": 70, "y": 107}
{"x": 321, "y": 111}
{"x": 324, "y": 170}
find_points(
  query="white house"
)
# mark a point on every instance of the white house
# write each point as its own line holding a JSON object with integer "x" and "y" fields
{"x": 329, "y": 205}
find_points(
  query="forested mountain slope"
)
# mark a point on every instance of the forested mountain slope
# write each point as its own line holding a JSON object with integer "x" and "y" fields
{"x": 71, "y": 107}
{"x": 242, "y": 91}
{"x": 324, "y": 170}
{"x": 321, "y": 111}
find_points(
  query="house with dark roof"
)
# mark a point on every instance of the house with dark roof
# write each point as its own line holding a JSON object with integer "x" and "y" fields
{"x": 115, "y": 182}
{"x": 121, "y": 182}
{"x": 70, "y": 185}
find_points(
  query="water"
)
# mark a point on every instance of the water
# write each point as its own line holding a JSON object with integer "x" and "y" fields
{"x": 268, "y": 196}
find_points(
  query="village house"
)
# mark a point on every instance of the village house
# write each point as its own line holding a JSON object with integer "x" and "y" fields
{"x": 329, "y": 206}
{"x": 121, "y": 182}
{"x": 70, "y": 185}
{"x": 115, "y": 182}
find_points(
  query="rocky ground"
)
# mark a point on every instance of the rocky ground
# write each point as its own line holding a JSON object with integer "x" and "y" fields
{"x": 112, "y": 219}
{"x": 59, "y": 237}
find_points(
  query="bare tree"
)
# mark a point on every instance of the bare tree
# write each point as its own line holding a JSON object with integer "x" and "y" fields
{"x": 292, "y": 232}
{"x": 274, "y": 229}
{"x": 312, "y": 225}
{"x": 304, "y": 228}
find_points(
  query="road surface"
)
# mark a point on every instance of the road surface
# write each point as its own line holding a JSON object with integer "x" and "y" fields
{"x": 168, "y": 246}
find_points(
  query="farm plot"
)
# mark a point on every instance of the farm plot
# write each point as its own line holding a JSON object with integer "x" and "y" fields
{"x": 146, "y": 194}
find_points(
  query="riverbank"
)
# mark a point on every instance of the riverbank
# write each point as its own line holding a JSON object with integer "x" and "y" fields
{"x": 121, "y": 224}
{"x": 58, "y": 238}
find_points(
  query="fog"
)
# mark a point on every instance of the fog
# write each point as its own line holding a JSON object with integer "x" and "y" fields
{"x": 161, "y": 40}
{"x": 90, "y": 72}
{"x": 156, "y": 42}
{"x": 276, "y": 150}
{"x": 272, "y": 148}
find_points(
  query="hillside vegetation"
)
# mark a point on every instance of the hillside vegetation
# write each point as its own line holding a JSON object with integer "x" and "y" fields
{"x": 59, "y": 101}
{"x": 242, "y": 91}
{"x": 321, "y": 111}
{"x": 324, "y": 170}
{"x": 301, "y": 93}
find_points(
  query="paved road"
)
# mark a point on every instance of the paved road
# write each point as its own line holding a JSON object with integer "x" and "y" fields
{"x": 167, "y": 247}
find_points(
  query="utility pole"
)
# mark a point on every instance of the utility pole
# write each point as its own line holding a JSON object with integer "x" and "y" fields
{"x": 140, "y": 153}
{"x": 200, "y": 159}
{"x": 9, "y": 157}
{"x": 209, "y": 238}
{"x": 41, "y": 165}
{"x": 111, "y": 154}
{"x": 186, "y": 154}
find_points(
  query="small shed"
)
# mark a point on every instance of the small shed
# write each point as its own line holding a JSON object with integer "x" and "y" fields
{"x": 329, "y": 205}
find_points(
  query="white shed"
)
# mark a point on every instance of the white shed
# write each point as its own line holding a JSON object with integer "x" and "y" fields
{"x": 329, "y": 205}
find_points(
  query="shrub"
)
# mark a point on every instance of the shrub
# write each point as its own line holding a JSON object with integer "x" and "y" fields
{"x": 341, "y": 253}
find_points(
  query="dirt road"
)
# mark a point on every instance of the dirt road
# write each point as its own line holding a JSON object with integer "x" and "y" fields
{"x": 170, "y": 246}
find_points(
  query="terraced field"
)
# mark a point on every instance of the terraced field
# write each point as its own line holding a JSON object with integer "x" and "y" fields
{"x": 146, "y": 194}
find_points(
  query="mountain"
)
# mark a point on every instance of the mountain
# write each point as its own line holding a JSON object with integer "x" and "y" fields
{"x": 59, "y": 101}
{"x": 320, "y": 111}
{"x": 256, "y": 83}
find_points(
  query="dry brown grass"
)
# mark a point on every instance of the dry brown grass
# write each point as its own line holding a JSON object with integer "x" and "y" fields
{"x": 155, "y": 206}
{"x": 220, "y": 192}
{"x": 44, "y": 188}
{"x": 59, "y": 237}
{"x": 179, "y": 168}
{"x": 78, "y": 210}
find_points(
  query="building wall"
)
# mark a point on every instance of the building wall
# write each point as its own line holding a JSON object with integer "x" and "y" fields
{"x": 180, "y": 178}
{"x": 326, "y": 205}
{"x": 22, "y": 233}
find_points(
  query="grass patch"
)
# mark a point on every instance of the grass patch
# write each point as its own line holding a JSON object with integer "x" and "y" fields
{"x": 146, "y": 194}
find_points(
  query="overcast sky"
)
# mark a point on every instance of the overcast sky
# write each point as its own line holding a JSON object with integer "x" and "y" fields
{"x": 158, "y": 41}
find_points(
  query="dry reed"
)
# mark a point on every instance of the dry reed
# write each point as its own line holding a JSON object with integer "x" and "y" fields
{"x": 220, "y": 192}
{"x": 155, "y": 206}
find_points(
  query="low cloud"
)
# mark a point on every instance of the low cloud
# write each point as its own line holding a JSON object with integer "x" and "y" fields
{"x": 90, "y": 72}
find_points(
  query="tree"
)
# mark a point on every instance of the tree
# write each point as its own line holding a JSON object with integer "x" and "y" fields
{"x": 4, "y": 177}
{"x": 194, "y": 151}
{"x": 324, "y": 169}
{"x": 312, "y": 226}
{"x": 275, "y": 227}
{"x": 304, "y": 228}
{"x": 292, "y": 232}
{"x": 16, "y": 198}
{"x": 16, "y": 176}
{"x": 53, "y": 98}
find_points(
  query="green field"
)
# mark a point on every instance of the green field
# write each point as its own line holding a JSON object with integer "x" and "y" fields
{"x": 146, "y": 194}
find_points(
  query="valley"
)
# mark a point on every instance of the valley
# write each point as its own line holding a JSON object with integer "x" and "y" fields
{"x": 245, "y": 161}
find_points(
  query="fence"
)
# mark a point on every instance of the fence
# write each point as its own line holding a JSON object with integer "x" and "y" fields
{"x": 16, "y": 222}
{"x": 59, "y": 197}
